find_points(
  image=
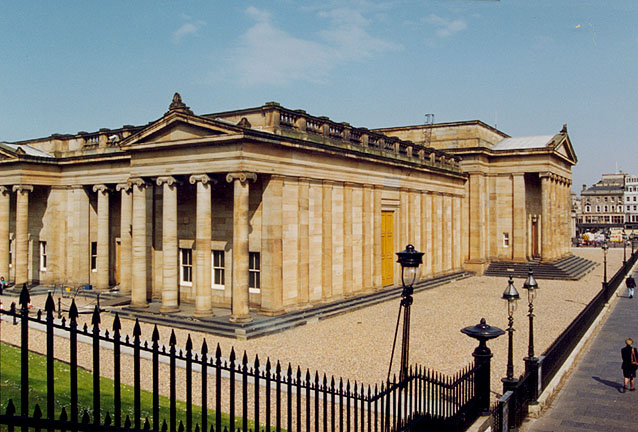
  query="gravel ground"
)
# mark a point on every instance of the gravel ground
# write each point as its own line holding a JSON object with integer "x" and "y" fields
{"x": 357, "y": 345}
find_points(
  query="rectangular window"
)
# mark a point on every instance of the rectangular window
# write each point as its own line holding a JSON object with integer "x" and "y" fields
{"x": 218, "y": 269}
{"x": 186, "y": 267}
{"x": 43, "y": 256}
{"x": 254, "y": 272}
{"x": 93, "y": 256}
{"x": 506, "y": 240}
{"x": 10, "y": 254}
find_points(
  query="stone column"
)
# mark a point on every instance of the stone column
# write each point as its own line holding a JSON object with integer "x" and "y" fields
{"x": 554, "y": 217}
{"x": 348, "y": 289}
{"x": 404, "y": 220}
{"x": 290, "y": 239}
{"x": 271, "y": 247}
{"x": 22, "y": 233}
{"x": 4, "y": 231}
{"x": 303, "y": 244}
{"x": 519, "y": 216}
{"x": 447, "y": 233}
{"x": 368, "y": 225}
{"x": 376, "y": 237}
{"x": 457, "y": 259}
{"x": 102, "y": 236}
{"x": 126, "y": 211}
{"x": 437, "y": 233}
{"x": 170, "y": 270}
{"x": 139, "y": 280}
{"x": 203, "y": 236}
{"x": 477, "y": 221}
{"x": 546, "y": 224}
{"x": 326, "y": 260}
{"x": 240, "y": 312}
{"x": 426, "y": 211}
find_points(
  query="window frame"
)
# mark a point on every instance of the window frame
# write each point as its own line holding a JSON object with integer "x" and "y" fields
{"x": 218, "y": 268}
{"x": 43, "y": 256}
{"x": 183, "y": 266}
{"x": 94, "y": 257}
{"x": 255, "y": 272}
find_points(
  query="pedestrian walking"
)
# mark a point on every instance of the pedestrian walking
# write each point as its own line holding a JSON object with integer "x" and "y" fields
{"x": 629, "y": 364}
{"x": 3, "y": 285}
{"x": 631, "y": 284}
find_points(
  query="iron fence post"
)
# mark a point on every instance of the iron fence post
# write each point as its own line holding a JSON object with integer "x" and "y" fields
{"x": 532, "y": 369}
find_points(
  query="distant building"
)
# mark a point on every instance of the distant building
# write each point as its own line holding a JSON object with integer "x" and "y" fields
{"x": 603, "y": 205}
{"x": 631, "y": 202}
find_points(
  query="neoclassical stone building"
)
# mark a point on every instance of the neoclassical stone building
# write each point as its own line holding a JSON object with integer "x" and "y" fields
{"x": 517, "y": 193}
{"x": 271, "y": 209}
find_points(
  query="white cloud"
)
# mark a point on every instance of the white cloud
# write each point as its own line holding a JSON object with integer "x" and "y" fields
{"x": 267, "y": 54}
{"x": 446, "y": 27}
{"x": 187, "y": 29}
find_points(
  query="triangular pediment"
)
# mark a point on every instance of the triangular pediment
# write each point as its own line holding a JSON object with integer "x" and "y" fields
{"x": 9, "y": 153}
{"x": 562, "y": 146}
{"x": 179, "y": 128}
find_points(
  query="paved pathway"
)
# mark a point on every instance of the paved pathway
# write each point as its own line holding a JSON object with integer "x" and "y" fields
{"x": 591, "y": 399}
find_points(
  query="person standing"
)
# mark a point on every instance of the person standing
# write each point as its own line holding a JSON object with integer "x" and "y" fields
{"x": 629, "y": 364}
{"x": 3, "y": 285}
{"x": 631, "y": 284}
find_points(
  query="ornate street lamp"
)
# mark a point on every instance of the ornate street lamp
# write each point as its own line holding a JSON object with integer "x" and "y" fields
{"x": 531, "y": 286}
{"x": 410, "y": 261}
{"x": 531, "y": 362}
{"x": 511, "y": 296}
{"x": 604, "y": 248}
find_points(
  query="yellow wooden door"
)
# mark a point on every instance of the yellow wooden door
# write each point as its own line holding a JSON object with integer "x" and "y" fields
{"x": 387, "y": 248}
{"x": 117, "y": 262}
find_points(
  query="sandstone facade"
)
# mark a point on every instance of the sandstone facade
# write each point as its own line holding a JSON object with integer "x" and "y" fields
{"x": 270, "y": 209}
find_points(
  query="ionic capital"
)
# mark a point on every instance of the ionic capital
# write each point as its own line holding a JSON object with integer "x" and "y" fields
{"x": 22, "y": 188}
{"x": 4, "y": 190}
{"x": 126, "y": 187}
{"x": 201, "y": 178}
{"x": 242, "y": 176}
{"x": 139, "y": 182}
{"x": 100, "y": 188}
{"x": 167, "y": 180}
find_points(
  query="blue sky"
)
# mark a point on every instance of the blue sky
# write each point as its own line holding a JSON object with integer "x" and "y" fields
{"x": 526, "y": 66}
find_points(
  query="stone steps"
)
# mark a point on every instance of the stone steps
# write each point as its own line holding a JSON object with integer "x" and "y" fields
{"x": 264, "y": 325}
{"x": 571, "y": 267}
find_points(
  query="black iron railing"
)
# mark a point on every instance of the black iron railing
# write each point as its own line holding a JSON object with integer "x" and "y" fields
{"x": 270, "y": 395}
{"x": 513, "y": 406}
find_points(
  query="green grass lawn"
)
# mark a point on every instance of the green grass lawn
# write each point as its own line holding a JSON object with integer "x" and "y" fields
{"x": 10, "y": 389}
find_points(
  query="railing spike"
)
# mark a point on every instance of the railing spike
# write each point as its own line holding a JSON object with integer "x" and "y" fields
{"x": 164, "y": 426}
{"x": 86, "y": 419}
{"x": 172, "y": 341}
{"x": 73, "y": 311}
{"x": 155, "y": 337}
{"x": 63, "y": 415}
{"x": 147, "y": 425}
{"x": 25, "y": 298}
{"x": 137, "y": 330}
{"x": 127, "y": 422}
{"x": 181, "y": 426}
{"x": 117, "y": 326}
{"x": 107, "y": 419}
{"x": 37, "y": 412}
{"x": 49, "y": 305}
{"x": 85, "y": 328}
{"x": 95, "y": 320}
{"x": 204, "y": 349}
{"x": 189, "y": 343}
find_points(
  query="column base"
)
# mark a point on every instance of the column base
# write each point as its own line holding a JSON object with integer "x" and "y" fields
{"x": 169, "y": 309}
{"x": 203, "y": 314}
{"x": 241, "y": 319}
{"x": 138, "y": 305}
{"x": 477, "y": 267}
